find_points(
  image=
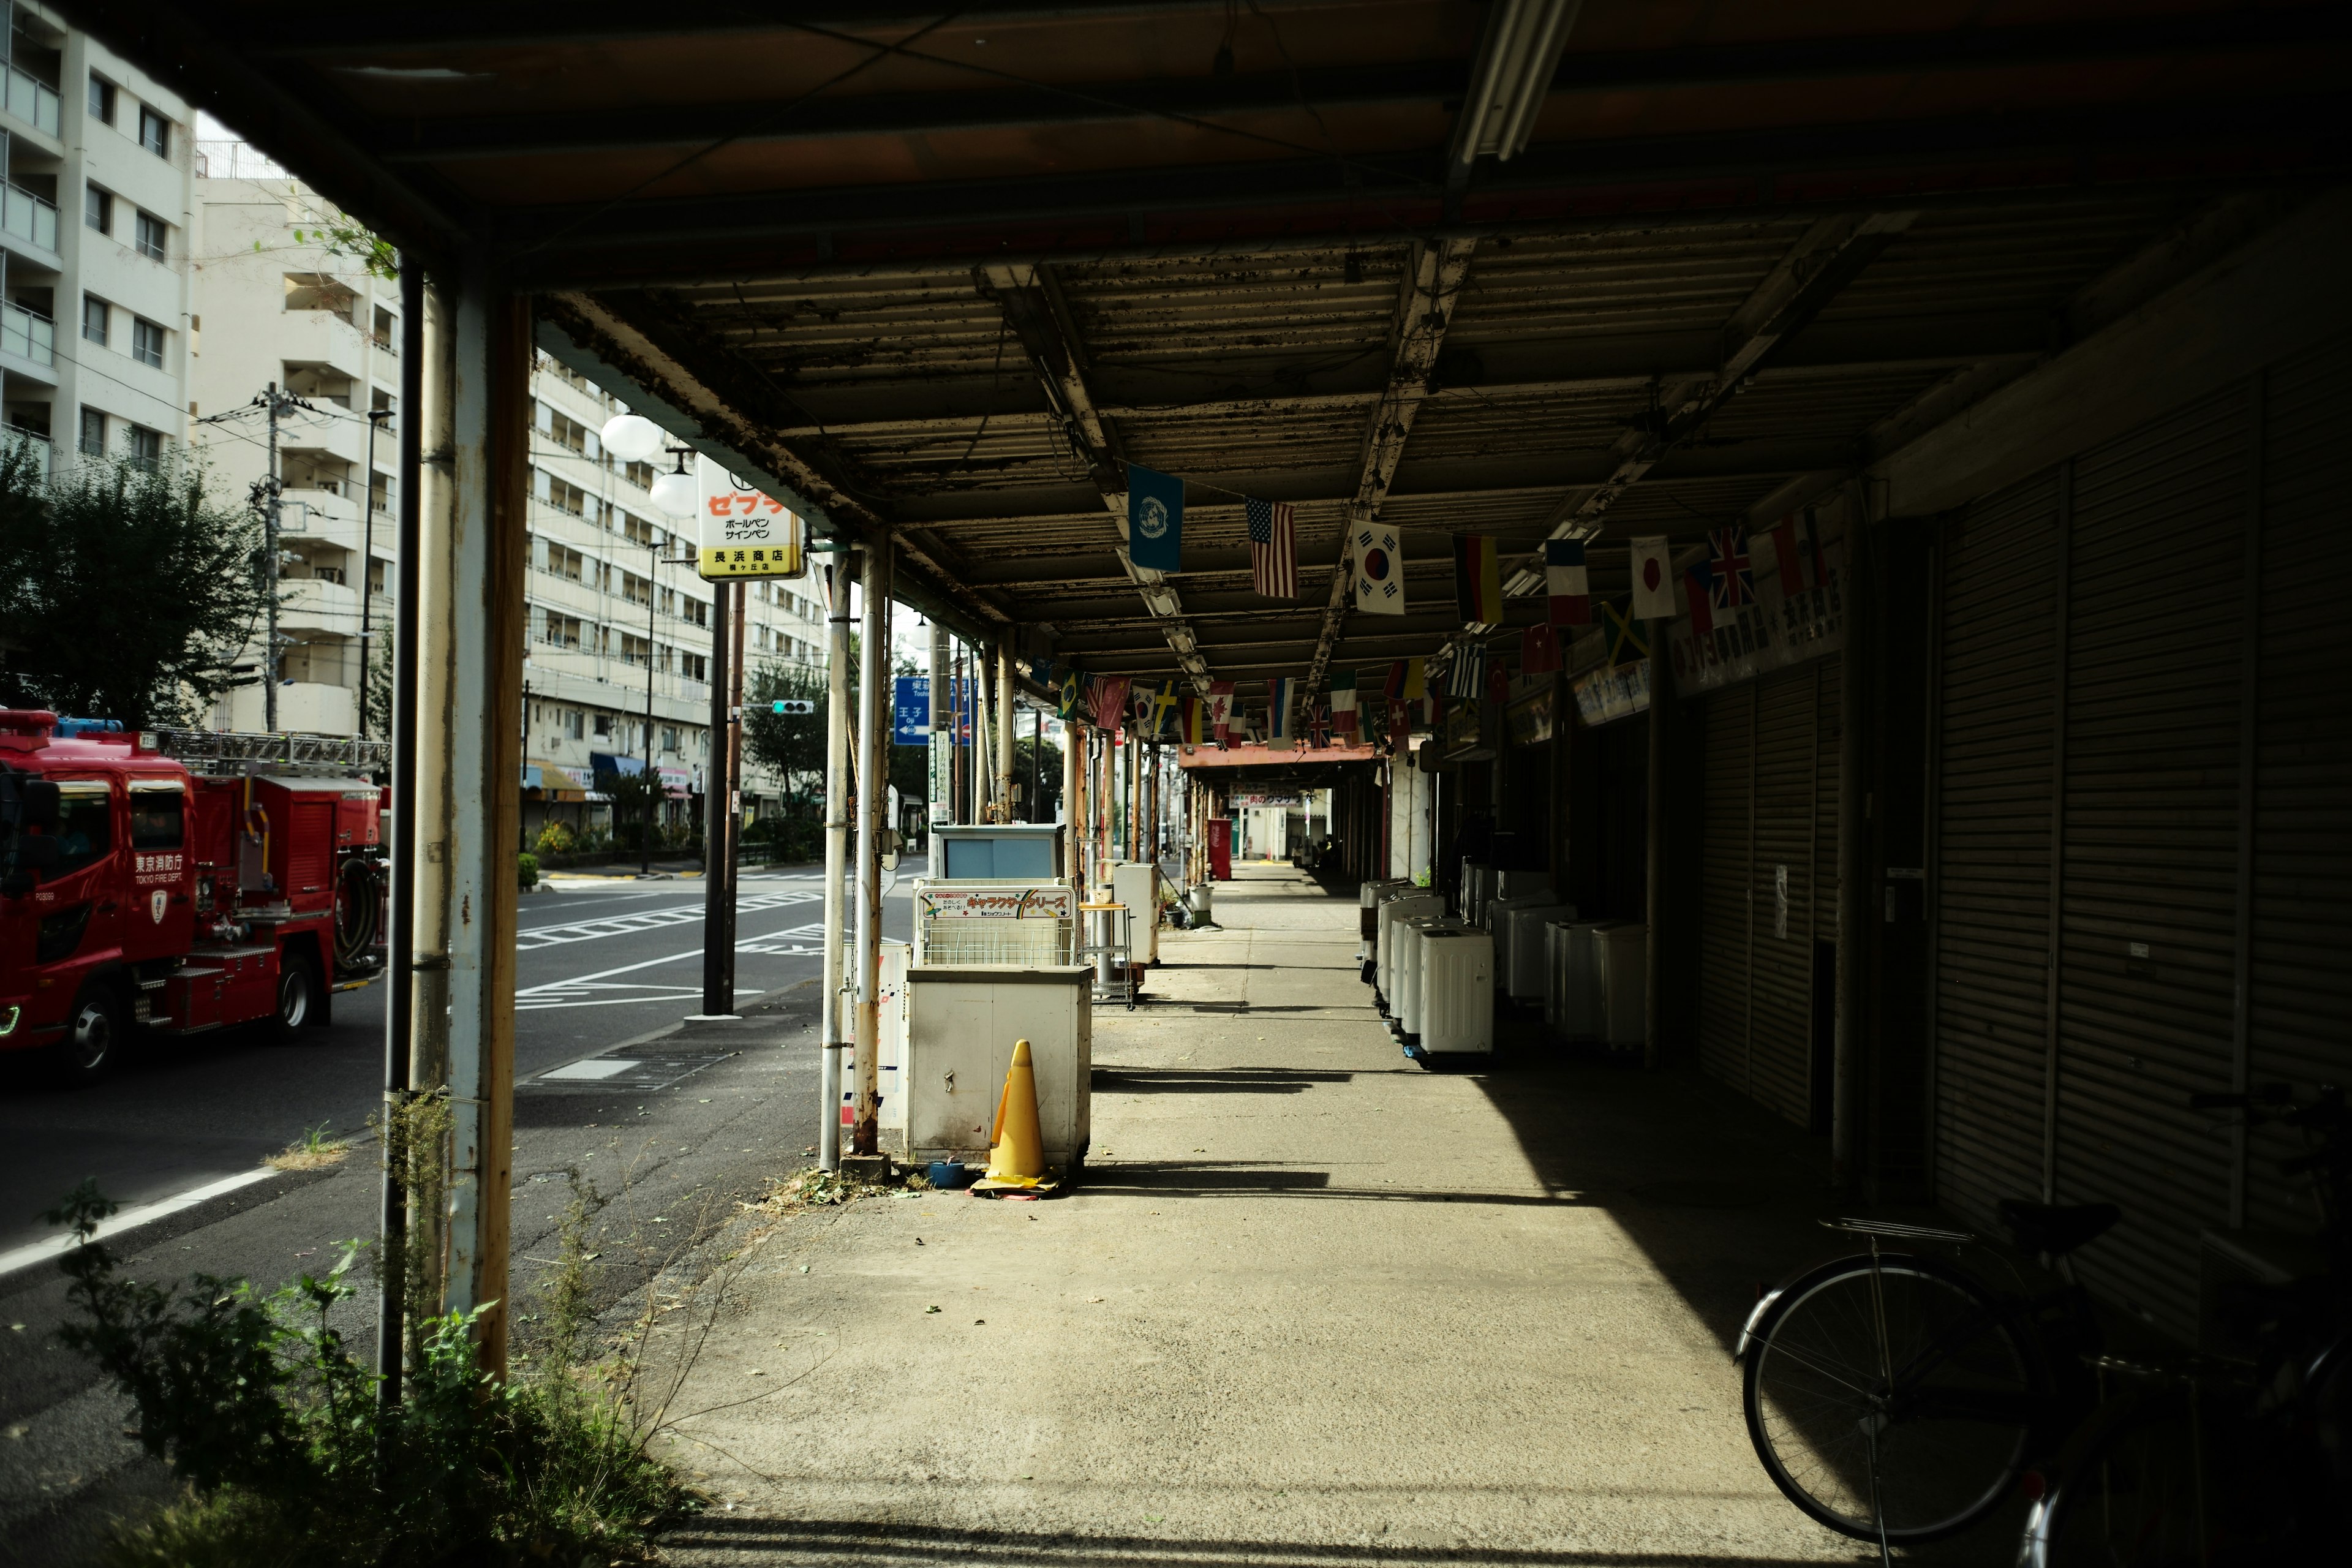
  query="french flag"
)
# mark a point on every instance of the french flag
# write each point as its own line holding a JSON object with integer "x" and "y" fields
{"x": 1570, "y": 591}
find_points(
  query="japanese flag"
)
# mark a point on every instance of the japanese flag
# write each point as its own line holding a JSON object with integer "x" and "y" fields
{"x": 1654, "y": 580}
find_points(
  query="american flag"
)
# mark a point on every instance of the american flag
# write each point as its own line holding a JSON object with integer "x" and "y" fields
{"x": 1273, "y": 549}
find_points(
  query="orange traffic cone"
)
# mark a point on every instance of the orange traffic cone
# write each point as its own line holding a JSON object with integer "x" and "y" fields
{"x": 1016, "y": 1155}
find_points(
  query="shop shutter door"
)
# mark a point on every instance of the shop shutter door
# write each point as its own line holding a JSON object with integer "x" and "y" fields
{"x": 1991, "y": 874}
{"x": 2301, "y": 990}
{"x": 2150, "y": 844}
{"x": 1781, "y": 1006}
{"x": 1727, "y": 852}
{"x": 1830, "y": 675}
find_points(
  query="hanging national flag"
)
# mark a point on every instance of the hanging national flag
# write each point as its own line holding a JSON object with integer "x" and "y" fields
{"x": 1399, "y": 724}
{"x": 1155, "y": 518}
{"x": 1654, "y": 580}
{"x": 1570, "y": 590}
{"x": 1192, "y": 728}
{"x": 1279, "y": 693}
{"x": 1163, "y": 708}
{"x": 1416, "y": 678}
{"x": 1539, "y": 651}
{"x": 1273, "y": 548}
{"x": 1393, "y": 683}
{"x": 1797, "y": 551}
{"x": 1065, "y": 694}
{"x": 1378, "y": 556}
{"x": 1106, "y": 695}
{"x": 1698, "y": 587}
{"x": 1318, "y": 727}
{"x": 1623, "y": 639}
{"x": 1734, "y": 584}
{"x": 1343, "y": 701}
{"x": 1477, "y": 580}
{"x": 1220, "y": 710}
{"x": 1468, "y": 681}
{"x": 1498, "y": 680}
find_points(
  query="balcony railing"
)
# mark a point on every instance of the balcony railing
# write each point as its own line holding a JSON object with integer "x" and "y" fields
{"x": 27, "y": 334}
{"x": 32, "y": 101}
{"x": 28, "y": 217}
{"x": 12, "y": 440}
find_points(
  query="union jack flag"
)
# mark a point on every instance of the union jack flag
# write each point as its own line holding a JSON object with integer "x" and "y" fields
{"x": 1273, "y": 549}
{"x": 1318, "y": 727}
{"x": 1734, "y": 585}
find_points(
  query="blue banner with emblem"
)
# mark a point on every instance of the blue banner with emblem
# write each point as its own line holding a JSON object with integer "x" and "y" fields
{"x": 1155, "y": 518}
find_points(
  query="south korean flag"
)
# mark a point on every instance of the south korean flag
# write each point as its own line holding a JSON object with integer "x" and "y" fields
{"x": 1378, "y": 554}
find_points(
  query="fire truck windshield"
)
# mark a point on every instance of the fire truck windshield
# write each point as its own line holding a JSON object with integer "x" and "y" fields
{"x": 85, "y": 824}
{"x": 155, "y": 814}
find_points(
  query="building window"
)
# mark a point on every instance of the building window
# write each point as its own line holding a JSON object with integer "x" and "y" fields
{"x": 697, "y": 667}
{"x": 94, "y": 318}
{"x": 155, "y": 133}
{"x": 640, "y": 475}
{"x": 153, "y": 237}
{"x": 669, "y": 737}
{"x": 93, "y": 433}
{"x": 562, "y": 631}
{"x": 102, "y": 102}
{"x": 146, "y": 342}
{"x": 603, "y": 726}
{"x": 143, "y": 446}
{"x": 98, "y": 209}
{"x": 575, "y": 724}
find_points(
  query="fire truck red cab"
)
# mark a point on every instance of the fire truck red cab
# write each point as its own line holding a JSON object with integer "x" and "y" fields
{"x": 179, "y": 881}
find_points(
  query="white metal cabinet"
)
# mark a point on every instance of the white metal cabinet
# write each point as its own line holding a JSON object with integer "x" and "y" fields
{"x": 1457, "y": 1000}
{"x": 1519, "y": 946}
{"x": 962, "y": 1023}
{"x": 1404, "y": 906}
{"x": 1622, "y": 955}
{"x": 1135, "y": 884}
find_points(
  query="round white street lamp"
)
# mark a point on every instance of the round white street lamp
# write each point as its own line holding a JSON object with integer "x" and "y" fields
{"x": 676, "y": 493}
{"x": 632, "y": 437}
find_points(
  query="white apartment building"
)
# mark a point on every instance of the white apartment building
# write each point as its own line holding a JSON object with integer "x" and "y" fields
{"x": 96, "y": 323}
{"x": 618, "y": 624}
{"x": 612, "y": 613}
{"x": 288, "y": 311}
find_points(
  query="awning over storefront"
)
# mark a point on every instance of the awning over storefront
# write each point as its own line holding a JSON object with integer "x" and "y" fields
{"x": 676, "y": 783}
{"x": 552, "y": 782}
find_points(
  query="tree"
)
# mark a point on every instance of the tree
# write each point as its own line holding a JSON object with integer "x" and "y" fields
{"x": 1045, "y": 757}
{"x": 376, "y": 694}
{"x": 794, "y": 744}
{"x": 125, "y": 591}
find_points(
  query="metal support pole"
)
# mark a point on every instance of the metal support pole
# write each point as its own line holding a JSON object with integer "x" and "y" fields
{"x": 475, "y": 566}
{"x": 1036, "y": 764}
{"x": 1654, "y": 854}
{"x": 376, "y": 417}
{"x": 873, "y": 796}
{"x": 732, "y": 862}
{"x": 400, "y": 944}
{"x": 836, "y": 860}
{"x": 1004, "y": 730}
{"x": 942, "y": 740}
{"x": 653, "y": 778}
{"x": 717, "y": 982}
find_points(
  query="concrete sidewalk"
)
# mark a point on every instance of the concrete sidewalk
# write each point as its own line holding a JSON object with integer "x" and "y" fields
{"x": 1313, "y": 1304}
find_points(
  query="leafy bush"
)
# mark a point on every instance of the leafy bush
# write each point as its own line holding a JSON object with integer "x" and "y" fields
{"x": 556, "y": 837}
{"x": 289, "y": 1458}
{"x": 527, "y": 867}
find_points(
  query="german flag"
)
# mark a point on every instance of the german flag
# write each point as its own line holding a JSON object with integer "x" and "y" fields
{"x": 1477, "y": 580}
{"x": 1192, "y": 729}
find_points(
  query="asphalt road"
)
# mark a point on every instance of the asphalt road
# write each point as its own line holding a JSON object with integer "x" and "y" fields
{"x": 672, "y": 1122}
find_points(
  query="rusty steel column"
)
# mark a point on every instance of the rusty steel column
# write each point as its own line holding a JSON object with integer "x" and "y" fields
{"x": 830, "y": 982}
{"x": 475, "y": 537}
{"x": 1004, "y": 730}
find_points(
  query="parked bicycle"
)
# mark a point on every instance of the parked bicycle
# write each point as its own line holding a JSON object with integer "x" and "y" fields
{"x": 2217, "y": 1459}
{"x": 1898, "y": 1397}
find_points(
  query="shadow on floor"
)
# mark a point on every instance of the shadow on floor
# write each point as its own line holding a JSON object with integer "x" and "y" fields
{"x": 860, "y": 1540}
{"x": 1214, "y": 1080}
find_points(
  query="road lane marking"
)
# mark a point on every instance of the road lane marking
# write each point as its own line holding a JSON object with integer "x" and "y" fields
{"x": 57, "y": 1247}
{"x": 539, "y": 937}
{"x": 578, "y": 991}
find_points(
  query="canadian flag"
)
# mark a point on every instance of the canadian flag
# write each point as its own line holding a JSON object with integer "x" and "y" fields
{"x": 1654, "y": 580}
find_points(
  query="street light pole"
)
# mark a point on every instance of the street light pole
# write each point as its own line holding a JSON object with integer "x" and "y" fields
{"x": 652, "y": 779}
{"x": 367, "y": 557}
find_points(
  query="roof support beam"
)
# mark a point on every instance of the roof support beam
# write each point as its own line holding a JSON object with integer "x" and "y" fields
{"x": 1433, "y": 281}
{"x": 1831, "y": 254}
{"x": 1037, "y": 315}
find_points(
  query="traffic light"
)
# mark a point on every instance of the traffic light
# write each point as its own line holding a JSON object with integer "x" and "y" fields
{"x": 783, "y": 705}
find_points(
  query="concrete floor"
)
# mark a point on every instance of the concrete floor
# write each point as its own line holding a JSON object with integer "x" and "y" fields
{"x": 1313, "y": 1304}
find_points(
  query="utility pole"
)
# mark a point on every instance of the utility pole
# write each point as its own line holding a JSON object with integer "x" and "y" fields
{"x": 717, "y": 977}
{"x": 652, "y": 779}
{"x": 367, "y": 555}
{"x": 272, "y": 490}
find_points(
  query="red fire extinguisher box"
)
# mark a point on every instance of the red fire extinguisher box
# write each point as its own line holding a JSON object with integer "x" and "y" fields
{"x": 1220, "y": 849}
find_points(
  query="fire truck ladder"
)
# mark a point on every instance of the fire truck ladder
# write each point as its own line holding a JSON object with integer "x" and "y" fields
{"x": 218, "y": 752}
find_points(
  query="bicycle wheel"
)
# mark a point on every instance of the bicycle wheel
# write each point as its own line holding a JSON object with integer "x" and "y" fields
{"x": 2133, "y": 1495}
{"x": 1914, "y": 1435}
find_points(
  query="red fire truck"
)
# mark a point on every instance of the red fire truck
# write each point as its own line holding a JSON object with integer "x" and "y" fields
{"x": 180, "y": 881}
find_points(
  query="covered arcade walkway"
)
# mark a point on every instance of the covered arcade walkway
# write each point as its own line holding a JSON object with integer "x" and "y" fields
{"x": 1312, "y": 1305}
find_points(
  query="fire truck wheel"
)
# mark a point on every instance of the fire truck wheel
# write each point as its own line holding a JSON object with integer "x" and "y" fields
{"x": 300, "y": 997}
{"x": 86, "y": 1054}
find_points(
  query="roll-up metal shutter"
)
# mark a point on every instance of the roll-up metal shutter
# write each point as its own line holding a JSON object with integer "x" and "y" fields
{"x": 1727, "y": 852}
{"x": 1781, "y": 971}
{"x": 2149, "y": 844}
{"x": 1828, "y": 674}
{"x": 1991, "y": 880}
{"x": 2300, "y": 960}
